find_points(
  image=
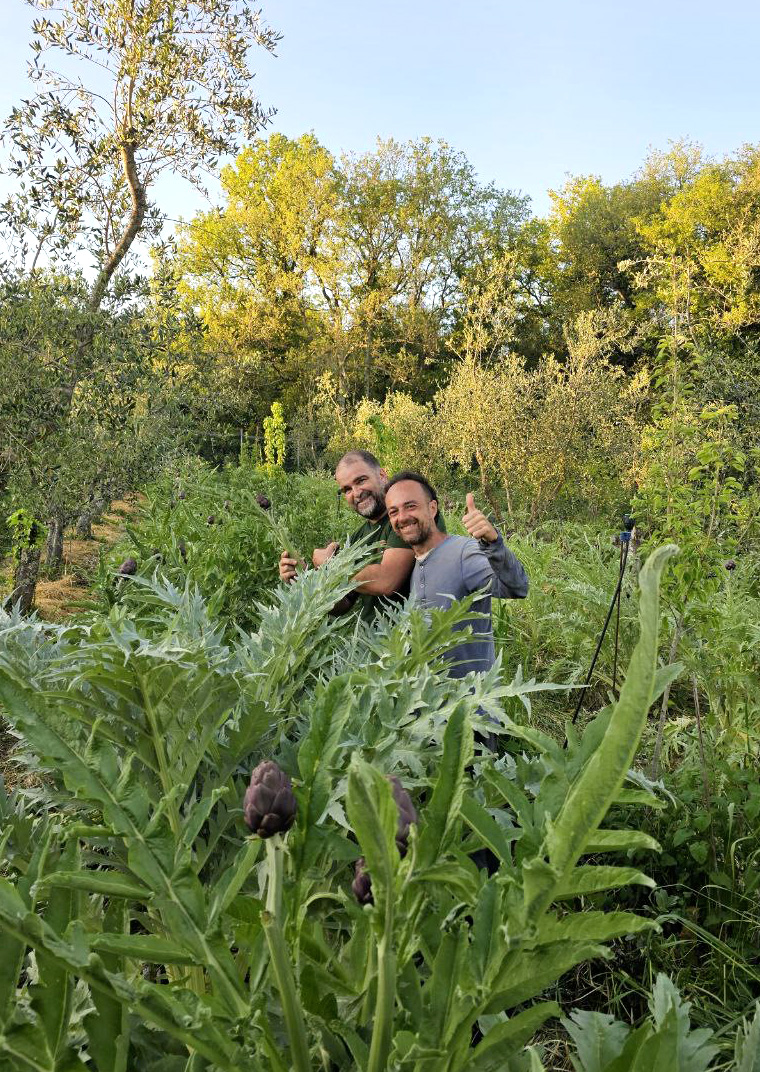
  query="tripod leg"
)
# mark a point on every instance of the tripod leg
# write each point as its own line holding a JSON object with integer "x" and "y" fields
{"x": 623, "y": 557}
{"x": 613, "y": 604}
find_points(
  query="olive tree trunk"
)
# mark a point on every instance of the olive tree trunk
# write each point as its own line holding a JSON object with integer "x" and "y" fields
{"x": 25, "y": 579}
{"x": 84, "y": 526}
{"x": 54, "y": 545}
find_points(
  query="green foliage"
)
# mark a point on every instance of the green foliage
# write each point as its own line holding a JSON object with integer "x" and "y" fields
{"x": 232, "y": 560}
{"x": 143, "y": 723}
{"x": 747, "y": 1051}
{"x": 666, "y": 1041}
{"x": 274, "y": 437}
{"x": 25, "y": 531}
{"x": 350, "y": 268}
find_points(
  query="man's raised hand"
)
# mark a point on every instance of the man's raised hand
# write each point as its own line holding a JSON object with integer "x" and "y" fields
{"x": 476, "y": 522}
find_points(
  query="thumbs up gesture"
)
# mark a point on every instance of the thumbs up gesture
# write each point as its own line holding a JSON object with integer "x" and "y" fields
{"x": 476, "y": 522}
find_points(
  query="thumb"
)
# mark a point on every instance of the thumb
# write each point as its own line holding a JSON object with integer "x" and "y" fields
{"x": 470, "y": 501}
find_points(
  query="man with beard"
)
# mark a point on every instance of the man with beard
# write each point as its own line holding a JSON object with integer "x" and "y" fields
{"x": 362, "y": 481}
{"x": 448, "y": 568}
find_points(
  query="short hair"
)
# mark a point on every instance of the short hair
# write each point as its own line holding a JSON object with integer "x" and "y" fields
{"x": 359, "y": 456}
{"x": 418, "y": 478}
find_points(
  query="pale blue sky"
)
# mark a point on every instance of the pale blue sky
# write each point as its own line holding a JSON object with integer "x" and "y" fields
{"x": 530, "y": 93}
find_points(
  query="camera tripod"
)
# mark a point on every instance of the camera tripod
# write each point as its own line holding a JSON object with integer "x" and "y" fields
{"x": 625, "y": 543}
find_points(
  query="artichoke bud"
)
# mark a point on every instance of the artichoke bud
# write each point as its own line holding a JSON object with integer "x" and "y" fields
{"x": 211, "y": 519}
{"x": 182, "y": 548}
{"x": 263, "y": 501}
{"x": 128, "y": 567}
{"x": 406, "y": 813}
{"x": 182, "y": 495}
{"x": 269, "y": 806}
{"x": 362, "y": 884}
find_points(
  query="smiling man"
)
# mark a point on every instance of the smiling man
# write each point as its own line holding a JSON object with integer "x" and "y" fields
{"x": 362, "y": 482}
{"x": 448, "y": 568}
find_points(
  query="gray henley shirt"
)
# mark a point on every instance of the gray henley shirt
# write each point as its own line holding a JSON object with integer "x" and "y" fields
{"x": 458, "y": 567}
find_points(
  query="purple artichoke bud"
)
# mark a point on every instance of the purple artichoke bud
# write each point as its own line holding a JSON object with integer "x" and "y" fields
{"x": 211, "y": 519}
{"x": 128, "y": 567}
{"x": 182, "y": 548}
{"x": 362, "y": 884}
{"x": 730, "y": 565}
{"x": 406, "y": 813}
{"x": 181, "y": 494}
{"x": 269, "y": 806}
{"x": 263, "y": 501}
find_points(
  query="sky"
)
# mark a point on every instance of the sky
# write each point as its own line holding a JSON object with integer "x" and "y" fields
{"x": 530, "y": 92}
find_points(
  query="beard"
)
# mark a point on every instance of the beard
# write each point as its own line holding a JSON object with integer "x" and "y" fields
{"x": 415, "y": 532}
{"x": 371, "y": 505}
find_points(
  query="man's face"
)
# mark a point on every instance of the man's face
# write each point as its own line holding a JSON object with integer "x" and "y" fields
{"x": 363, "y": 488}
{"x": 410, "y": 512}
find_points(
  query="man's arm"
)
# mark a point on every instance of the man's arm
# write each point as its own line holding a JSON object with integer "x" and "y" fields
{"x": 494, "y": 567}
{"x": 490, "y": 564}
{"x": 387, "y": 576}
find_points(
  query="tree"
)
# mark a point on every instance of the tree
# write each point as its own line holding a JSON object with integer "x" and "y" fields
{"x": 65, "y": 456}
{"x": 167, "y": 87}
{"x": 563, "y": 432}
{"x": 249, "y": 269}
{"x": 353, "y": 267}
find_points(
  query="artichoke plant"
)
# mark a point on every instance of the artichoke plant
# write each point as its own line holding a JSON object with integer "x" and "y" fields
{"x": 269, "y": 806}
{"x": 263, "y": 501}
{"x": 128, "y": 567}
{"x": 407, "y": 814}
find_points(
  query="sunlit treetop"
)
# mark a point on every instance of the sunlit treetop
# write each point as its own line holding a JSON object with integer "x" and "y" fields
{"x": 140, "y": 87}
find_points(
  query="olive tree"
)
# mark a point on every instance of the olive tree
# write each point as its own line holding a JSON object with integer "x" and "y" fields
{"x": 145, "y": 87}
{"x": 141, "y": 88}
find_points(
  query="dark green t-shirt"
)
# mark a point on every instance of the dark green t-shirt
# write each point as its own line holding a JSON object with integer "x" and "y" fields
{"x": 381, "y": 532}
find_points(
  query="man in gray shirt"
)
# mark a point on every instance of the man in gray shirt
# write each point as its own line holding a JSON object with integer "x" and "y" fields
{"x": 447, "y": 568}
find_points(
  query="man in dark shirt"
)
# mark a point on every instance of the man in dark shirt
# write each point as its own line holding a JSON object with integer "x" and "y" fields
{"x": 362, "y": 481}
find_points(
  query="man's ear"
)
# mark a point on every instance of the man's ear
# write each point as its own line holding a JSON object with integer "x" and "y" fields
{"x": 384, "y": 475}
{"x": 435, "y": 504}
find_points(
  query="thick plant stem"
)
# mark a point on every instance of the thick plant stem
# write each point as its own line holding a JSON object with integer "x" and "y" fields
{"x": 283, "y": 972}
{"x": 382, "y": 1031}
{"x": 654, "y": 771}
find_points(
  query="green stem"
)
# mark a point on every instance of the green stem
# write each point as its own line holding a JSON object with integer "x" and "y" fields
{"x": 157, "y": 739}
{"x": 382, "y": 1031}
{"x": 283, "y": 972}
